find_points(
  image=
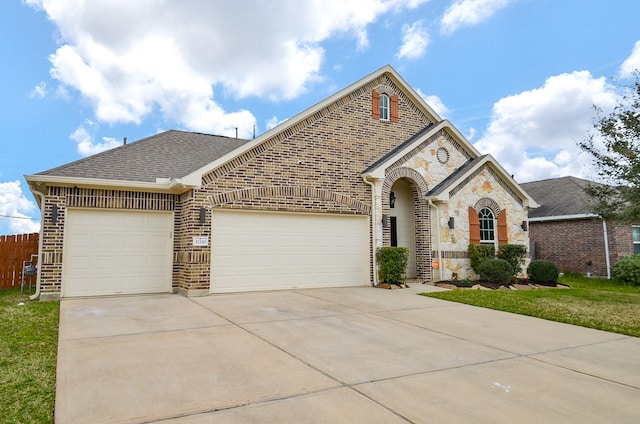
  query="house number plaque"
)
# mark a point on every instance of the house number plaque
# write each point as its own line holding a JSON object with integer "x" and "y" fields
{"x": 201, "y": 241}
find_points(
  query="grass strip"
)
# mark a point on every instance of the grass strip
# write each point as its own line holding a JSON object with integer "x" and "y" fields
{"x": 602, "y": 304}
{"x": 28, "y": 352}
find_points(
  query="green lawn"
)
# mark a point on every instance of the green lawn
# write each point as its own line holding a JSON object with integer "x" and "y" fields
{"x": 608, "y": 305}
{"x": 28, "y": 351}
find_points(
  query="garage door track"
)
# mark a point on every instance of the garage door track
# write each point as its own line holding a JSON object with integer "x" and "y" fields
{"x": 345, "y": 355}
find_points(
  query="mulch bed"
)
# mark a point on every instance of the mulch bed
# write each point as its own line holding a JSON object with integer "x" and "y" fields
{"x": 486, "y": 285}
{"x": 482, "y": 285}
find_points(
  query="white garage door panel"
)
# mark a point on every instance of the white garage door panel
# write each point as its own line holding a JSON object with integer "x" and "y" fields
{"x": 116, "y": 252}
{"x": 266, "y": 251}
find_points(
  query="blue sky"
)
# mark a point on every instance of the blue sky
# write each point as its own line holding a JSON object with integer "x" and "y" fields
{"x": 517, "y": 77}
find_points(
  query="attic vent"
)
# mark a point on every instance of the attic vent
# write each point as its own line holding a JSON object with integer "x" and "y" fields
{"x": 443, "y": 155}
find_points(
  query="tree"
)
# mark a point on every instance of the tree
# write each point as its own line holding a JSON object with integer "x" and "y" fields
{"x": 615, "y": 150}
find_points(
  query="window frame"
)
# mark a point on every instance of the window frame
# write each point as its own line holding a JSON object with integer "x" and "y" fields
{"x": 488, "y": 217}
{"x": 385, "y": 107}
{"x": 635, "y": 240}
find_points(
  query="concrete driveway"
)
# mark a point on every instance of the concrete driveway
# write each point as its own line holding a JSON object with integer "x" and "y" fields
{"x": 347, "y": 355}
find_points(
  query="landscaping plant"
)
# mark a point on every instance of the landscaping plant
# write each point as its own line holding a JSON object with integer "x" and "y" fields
{"x": 627, "y": 269}
{"x": 514, "y": 254}
{"x": 496, "y": 271}
{"x": 392, "y": 264}
{"x": 478, "y": 253}
{"x": 543, "y": 271}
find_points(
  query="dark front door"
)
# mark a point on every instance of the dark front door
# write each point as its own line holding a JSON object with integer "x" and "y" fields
{"x": 394, "y": 231}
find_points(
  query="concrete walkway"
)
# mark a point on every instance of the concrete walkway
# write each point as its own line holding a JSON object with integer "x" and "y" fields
{"x": 347, "y": 355}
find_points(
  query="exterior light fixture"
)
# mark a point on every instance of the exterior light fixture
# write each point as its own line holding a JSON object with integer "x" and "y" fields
{"x": 524, "y": 226}
{"x": 54, "y": 214}
{"x": 451, "y": 223}
{"x": 203, "y": 215}
{"x": 392, "y": 199}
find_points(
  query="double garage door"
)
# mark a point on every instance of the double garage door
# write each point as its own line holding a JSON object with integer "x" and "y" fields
{"x": 109, "y": 252}
{"x": 116, "y": 252}
{"x": 276, "y": 250}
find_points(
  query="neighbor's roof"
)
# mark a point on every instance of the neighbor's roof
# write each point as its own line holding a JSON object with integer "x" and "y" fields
{"x": 171, "y": 154}
{"x": 558, "y": 197}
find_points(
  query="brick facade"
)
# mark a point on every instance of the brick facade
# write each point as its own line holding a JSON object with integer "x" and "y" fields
{"x": 315, "y": 164}
{"x": 578, "y": 245}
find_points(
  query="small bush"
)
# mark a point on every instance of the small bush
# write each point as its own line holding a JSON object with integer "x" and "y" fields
{"x": 392, "y": 264}
{"x": 514, "y": 254}
{"x": 478, "y": 253}
{"x": 627, "y": 269}
{"x": 496, "y": 271}
{"x": 543, "y": 271}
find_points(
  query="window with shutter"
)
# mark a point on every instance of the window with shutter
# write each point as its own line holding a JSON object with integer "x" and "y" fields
{"x": 502, "y": 227}
{"x": 384, "y": 107}
{"x": 487, "y": 226}
{"x": 375, "y": 105}
{"x": 474, "y": 226}
{"x": 394, "y": 108}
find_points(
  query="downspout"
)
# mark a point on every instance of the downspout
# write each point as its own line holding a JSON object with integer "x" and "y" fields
{"x": 606, "y": 249}
{"x": 437, "y": 237}
{"x": 373, "y": 228}
{"x": 40, "y": 243}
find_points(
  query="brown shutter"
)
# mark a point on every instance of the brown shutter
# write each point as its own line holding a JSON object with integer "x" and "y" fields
{"x": 502, "y": 228}
{"x": 474, "y": 226}
{"x": 375, "y": 104}
{"x": 394, "y": 108}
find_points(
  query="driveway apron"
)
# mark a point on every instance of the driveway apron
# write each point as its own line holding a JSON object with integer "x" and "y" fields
{"x": 344, "y": 355}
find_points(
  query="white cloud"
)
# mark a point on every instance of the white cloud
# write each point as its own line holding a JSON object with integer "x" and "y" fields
{"x": 87, "y": 146}
{"x": 435, "y": 102}
{"x": 130, "y": 58}
{"x": 14, "y": 210}
{"x": 472, "y": 134}
{"x": 274, "y": 122}
{"x": 632, "y": 63}
{"x": 533, "y": 134}
{"x": 469, "y": 12}
{"x": 39, "y": 90}
{"x": 415, "y": 40}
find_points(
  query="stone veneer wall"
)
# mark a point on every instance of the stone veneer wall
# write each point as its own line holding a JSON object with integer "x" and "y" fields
{"x": 313, "y": 167}
{"x": 484, "y": 187}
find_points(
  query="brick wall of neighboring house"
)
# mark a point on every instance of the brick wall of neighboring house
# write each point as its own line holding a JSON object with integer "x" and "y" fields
{"x": 573, "y": 245}
{"x": 620, "y": 241}
{"x": 314, "y": 166}
{"x": 578, "y": 245}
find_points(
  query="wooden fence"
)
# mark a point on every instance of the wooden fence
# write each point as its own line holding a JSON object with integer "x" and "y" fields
{"x": 13, "y": 251}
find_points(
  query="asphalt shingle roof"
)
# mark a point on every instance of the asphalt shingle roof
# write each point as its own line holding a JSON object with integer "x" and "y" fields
{"x": 558, "y": 197}
{"x": 171, "y": 154}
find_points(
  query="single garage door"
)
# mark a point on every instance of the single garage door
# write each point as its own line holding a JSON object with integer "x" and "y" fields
{"x": 110, "y": 252}
{"x": 271, "y": 250}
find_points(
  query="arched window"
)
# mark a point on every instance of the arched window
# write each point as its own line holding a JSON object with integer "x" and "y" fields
{"x": 384, "y": 107}
{"x": 487, "y": 226}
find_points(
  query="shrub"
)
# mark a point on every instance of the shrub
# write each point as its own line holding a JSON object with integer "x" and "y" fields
{"x": 514, "y": 254}
{"x": 543, "y": 271}
{"x": 496, "y": 271}
{"x": 392, "y": 264}
{"x": 627, "y": 269}
{"x": 478, "y": 253}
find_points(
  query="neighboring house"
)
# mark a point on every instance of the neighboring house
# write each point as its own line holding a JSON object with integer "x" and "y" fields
{"x": 306, "y": 204}
{"x": 564, "y": 231}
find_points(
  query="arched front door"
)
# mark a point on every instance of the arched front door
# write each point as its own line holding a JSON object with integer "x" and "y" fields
{"x": 402, "y": 221}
